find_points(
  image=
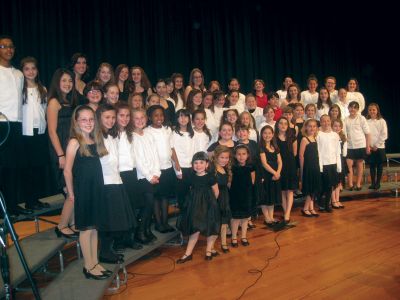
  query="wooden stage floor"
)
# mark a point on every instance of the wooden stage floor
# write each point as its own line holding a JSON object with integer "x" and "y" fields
{"x": 352, "y": 253}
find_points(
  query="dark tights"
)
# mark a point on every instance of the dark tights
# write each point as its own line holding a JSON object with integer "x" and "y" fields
{"x": 376, "y": 170}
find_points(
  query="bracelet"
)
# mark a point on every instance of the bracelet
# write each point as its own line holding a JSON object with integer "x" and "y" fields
{"x": 61, "y": 155}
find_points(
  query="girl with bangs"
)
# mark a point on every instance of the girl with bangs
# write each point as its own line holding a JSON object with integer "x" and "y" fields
{"x": 105, "y": 74}
{"x": 84, "y": 180}
{"x": 139, "y": 82}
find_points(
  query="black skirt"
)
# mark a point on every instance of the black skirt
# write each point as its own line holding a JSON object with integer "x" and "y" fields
{"x": 330, "y": 176}
{"x": 356, "y": 154}
{"x": 36, "y": 150}
{"x": 131, "y": 185}
{"x": 167, "y": 186}
{"x": 114, "y": 209}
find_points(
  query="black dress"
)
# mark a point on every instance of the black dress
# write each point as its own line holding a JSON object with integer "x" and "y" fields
{"x": 272, "y": 188}
{"x": 241, "y": 193}
{"x": 88, "y": 189}
{"x": 63, "y": 127}
{"x": 201, "y": 212}
{"x": 289, "y": 180}
{"x": 223, "y": 198}
{"x": 311, "y": 179}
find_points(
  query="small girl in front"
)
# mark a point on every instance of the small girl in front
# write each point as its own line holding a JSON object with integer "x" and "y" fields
{"x": 201, "y": 214}
{"x": 241, "y": 193}
{"x": 82, "y": 170}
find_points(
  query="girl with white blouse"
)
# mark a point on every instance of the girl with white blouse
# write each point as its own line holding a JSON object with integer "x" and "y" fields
{"x": 287, "y": 81}
{"x": 183, "y": 145}
{"x": 379, "y": 134}
{"x": 35, "y": 143}
{"x": 166, "y": 187}
{"x": 343, "y": 103}
{"x": 202, "y": 135}
{"x": 324, "y": 103}
{"x": 353, "y": 94}
{"x": 310, "y": 95}
{"x": 256, "y": 112}
{"x": 358, "y": 139}
{"x": 114, "y": 210}
{"x": 148, "y": 170}
{"x": 330, "y": 163}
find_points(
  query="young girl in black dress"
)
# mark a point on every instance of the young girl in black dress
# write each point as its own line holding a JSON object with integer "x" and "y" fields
{"x": 222, "y": 166}
{"x": 272, "y": 163}
{"x": 309, "y": 167}
{"x": 201, "y": 214}
{"x": 287, "y": 144}
{"x": 241, "y": 194}
{"x": 84, "y": 181}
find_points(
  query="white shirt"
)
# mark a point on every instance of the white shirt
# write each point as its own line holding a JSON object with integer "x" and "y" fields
{"x": 334, "y": 96}
{"x": 329, "y": 149}
{"x": 184, "y": 148}
{"x": 307, "y": 97}
{"x": 257, "y": 115}
{"x": 218, "y": 111}
{"x": 358, "y": 97}
{"x": 179, "y": 105}
{"x": 323, "y": 111}
{"x": 162, "y": 139}
{"x": 125, "y": 154}
{"x": 356, "y": 129}
{"x": 33, "y": 113}
{"x": 344, "y": 110}
{"x": 282, "y": 96}
{"x": 109, "y": 162}
{"x": 272, "y": 124}
{"x": 211, "y": 123}
{"x": 238, "y": 106}
{"x": 11, "y": 84}
{"x": 201, "y": 141}
{"x": 379, "y": 132}
{"x": 146, "y": 156}
{"x": 253, "y": 135}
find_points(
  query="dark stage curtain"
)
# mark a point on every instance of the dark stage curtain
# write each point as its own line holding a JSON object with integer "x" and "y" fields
{"x": 249, "y": 40}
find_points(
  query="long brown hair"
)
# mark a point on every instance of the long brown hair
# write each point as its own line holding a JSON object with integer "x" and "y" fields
{"x": 41, "y": 89}
{"x": 214, "y": 160}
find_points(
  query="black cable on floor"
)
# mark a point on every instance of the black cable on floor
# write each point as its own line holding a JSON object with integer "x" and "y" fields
{"x": 267, "y": 263}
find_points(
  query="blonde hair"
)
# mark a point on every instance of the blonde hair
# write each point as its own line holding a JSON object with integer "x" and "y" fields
{"x": 304, "y": 128}
{"x": 214, "y": 160}
{"x": 135, "y": 111}
{"x": 96, "y": 134}
{"x": 252, "y": 122}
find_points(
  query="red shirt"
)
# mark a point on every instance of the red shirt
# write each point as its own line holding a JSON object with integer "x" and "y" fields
{"x": 262, "y": 101}
{"x": 278, "y": 113}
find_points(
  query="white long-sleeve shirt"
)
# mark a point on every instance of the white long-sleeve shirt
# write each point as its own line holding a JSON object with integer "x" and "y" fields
{"x": 201, "y": 141}
{"x": 11, "y": 84}
{"x": 257, "y": 115}
{"x": 109, "y": 162}
{"x": 344, "y": 109}
{"x": 329, "y": 150}
{"x": 125, "y": 154}
{"x": 356, "y": 129}
{"x": 33, "y": 113}
{"x": 307, "y": 97}
{"x": 379, "y": 132}
{"x": 322, "y": 111}
{"x": 162, "y": 139}
{"x": 146, "y": 156}
{"x": 184, "y": 148}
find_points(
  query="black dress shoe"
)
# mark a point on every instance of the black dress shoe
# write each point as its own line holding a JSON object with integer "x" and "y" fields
{"x": 184, "y": 259}
{"x": 59, "y": 233}
{"x": 89, "y": 275}
{"x": 245, "y": 242}
{"x": 208, "y": 257}
{"x": 214, "y": 253}
{"x": 358, "y": 188}
{"x": 234, "y": 243}
{"x": 303, "y": 212}
{"x": 225, "y": 248}
{"x": 371, "y": 187}
{"x": 377, "y": 186}
{"x": 314, "y": 214}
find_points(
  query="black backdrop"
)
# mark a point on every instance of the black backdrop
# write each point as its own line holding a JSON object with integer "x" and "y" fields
{"x": 249, "y": 40}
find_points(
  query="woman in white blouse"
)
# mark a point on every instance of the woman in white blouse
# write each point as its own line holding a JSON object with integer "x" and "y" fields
{"x": 353, "y": 94}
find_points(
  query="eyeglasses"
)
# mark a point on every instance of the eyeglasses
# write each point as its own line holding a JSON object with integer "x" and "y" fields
{"x": 94, "y": 91}
{"x": 85, "y": 121}
{"x": 7, "y": 47}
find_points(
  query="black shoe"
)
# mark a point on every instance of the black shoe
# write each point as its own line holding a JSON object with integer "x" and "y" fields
{"x": 214, "y": 253}
{"x": 225, "y": 248}
{"x": 351, "y": 188}
{"x": 133, "y": 245}
{"x": 89, "y": 275}
{"x": 184, "y": 259}
{"x": 244, "y": 242}
{"x": 150, "y": 235}
{"x": 377, "y": 186}
{"x": 208, "y": 257}
{"x": 303, "y": 212}
{"x": 371, "y": 187}
{"x": 234, "y": 244}
{"x": 358, "y": 188}
{"x": 335, "y": 206}
{"x": 314, "y": 214}
{"x": 19, "y": 210}
{"x": 328, "y": 209}
{"x": 59, "y": 233}
{"x": 251, "y": 226}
